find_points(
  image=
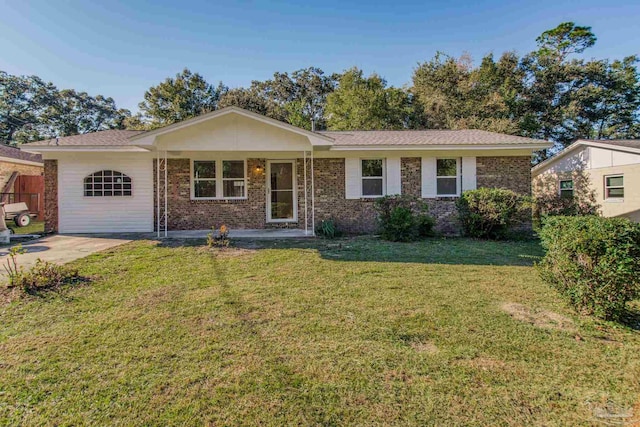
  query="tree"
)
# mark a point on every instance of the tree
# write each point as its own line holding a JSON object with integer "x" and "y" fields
{"x": 252, "y": 99}
{"x": 451, "y": 94}
{"x": 366, "y": 103}
{"x": 23, "y": 100}
{"x": 74, "y": 112}
{"x": 175, "y": 99}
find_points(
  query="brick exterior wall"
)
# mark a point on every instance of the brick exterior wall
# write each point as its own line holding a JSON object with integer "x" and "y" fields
{"x": 7, "y": 168}
{"x": 354, "y": 216}
{"x": 187, "y": 214}
{"x": 50, "y": 196}
{"x": 511, "y": 173}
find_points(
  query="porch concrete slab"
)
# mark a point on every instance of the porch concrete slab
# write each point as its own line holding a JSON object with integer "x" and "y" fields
{"x": 242, "y": 234}
{"x": 61, "y": 249}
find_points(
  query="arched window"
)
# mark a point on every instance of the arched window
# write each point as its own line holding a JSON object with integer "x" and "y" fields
{"x": 107, "y": 184}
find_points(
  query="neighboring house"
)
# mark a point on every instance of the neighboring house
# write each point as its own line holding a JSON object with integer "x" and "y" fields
{"x": 14, "y": 161}
{"x": 248, "y": 171}
{"x": 21, "y": 178}
{"x": 610, "y": 169}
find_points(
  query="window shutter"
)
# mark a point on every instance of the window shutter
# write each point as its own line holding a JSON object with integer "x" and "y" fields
{"x": 468, "y": 173}
{"x": 352, "y": 185}
{"x": 428, "y": 177}
{"x": 394, "y": 179}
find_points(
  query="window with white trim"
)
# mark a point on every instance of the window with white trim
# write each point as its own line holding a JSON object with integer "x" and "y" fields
{"x": 204, "y": 179}
{"x": 372, "y": 177}
{"x": 447, "y": 177}
{"x": 566, "y": 188}
{"x": 614, "y": 187}
{"x": 107, "y": 183}
{"x": 219, "y": 179}
{"x": 233, "y": 179}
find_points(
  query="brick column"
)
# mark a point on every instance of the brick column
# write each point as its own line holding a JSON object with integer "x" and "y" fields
{"x": 50, "y": 196}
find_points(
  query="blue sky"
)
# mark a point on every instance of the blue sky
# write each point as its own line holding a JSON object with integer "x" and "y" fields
{"x": 121, "y": 48}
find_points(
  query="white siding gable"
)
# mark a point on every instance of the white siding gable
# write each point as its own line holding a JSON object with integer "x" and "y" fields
{"x": 80, "y": 214}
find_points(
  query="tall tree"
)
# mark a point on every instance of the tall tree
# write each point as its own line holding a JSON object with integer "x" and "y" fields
{"x": 366, "y": 103}
{"x": 74, "y": 112}
{"x": 23, "y": 100}
{"x": 252, "y": 99}
{"x": 175, "y": 99}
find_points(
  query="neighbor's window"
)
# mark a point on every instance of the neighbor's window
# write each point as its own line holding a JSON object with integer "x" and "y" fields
{"x": 614, "y": 187}
{"x": 233, "y": 179}
{"x": 566, "y": 189}
{"x": 447, "y": 177}
{"x": 372, "y": 177}
{"x": 107, "y": 183}
{"x": 204, "y": 179}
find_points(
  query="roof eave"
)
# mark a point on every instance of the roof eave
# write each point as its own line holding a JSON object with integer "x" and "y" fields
{"x": 86, "y": 148}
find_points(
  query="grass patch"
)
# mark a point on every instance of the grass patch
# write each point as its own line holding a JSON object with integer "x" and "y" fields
{"x": 348, "y": 332}
{"x": 36, "y": 227}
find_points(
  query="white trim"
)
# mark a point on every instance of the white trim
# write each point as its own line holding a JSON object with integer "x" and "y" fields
{"x": 606, "y": 187}
{"x": 218, "y": 179}
{"x": 581, "y": 143}
{"x": 294, "y": 191}
{"x": 228, "y": 110}
{"x": 458, "y": 176}
{"x": 384, "y": 177}
{"x": 433, "y": 147}
{"x": 21, "y": 162}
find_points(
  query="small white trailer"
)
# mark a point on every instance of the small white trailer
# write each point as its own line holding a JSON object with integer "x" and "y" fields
{"x": 19, "y": 213}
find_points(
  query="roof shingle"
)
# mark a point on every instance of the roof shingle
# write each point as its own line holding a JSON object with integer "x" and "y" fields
{"x": 426, "y": 137}
{"x": 15, "y": 153}
{"x": 112, "y": 137}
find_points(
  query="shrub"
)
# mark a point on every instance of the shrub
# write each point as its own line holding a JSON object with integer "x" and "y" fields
{"x": 403, "y": 218}
{"x": 45, "y": 275}
{"x": 328, "y": 229}
{"x": 489, "y": 213}
{"x": 218, "y": 238}
{"x": 593, "y": 261}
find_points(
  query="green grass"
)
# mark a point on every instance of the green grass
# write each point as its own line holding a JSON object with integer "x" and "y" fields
{"x": 347, "y": 332}
{"x": 36, "y": 227}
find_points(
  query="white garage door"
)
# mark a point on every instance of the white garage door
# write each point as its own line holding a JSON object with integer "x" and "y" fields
{"x": 94, "y": 195}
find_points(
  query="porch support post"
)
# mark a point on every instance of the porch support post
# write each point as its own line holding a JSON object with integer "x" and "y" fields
{"x": 313, "y": 199}
{"x": 166, "y": 198}
{"x": 306, "y": 215}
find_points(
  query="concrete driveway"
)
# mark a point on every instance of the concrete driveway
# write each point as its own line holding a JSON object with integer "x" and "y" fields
{"x": 60, "y": 249}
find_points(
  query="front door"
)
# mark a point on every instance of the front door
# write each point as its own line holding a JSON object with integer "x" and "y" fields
{"x": 282, "y": 204}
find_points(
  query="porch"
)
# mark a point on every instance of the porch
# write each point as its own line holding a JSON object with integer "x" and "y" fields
{"x": 274, "y": 233}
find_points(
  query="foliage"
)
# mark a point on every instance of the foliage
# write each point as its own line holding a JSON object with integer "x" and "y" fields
{"x": 547, "y": 200}
{"x": 182, "y": 97}
{"x": 32, "y": 109}
{"x": 44, "y": 276}
{"x": 593, "y": 261}
{"x": 403, "y": 218}
{"x": 218, "y": 237}
{"x": 489, "y": 213}
{"x": 328, "y": 229}
{"x": 11, "y": 265}
{"x": 366, "y": 103}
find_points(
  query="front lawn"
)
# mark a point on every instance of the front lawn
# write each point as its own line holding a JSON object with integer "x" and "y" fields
{"x": 313, "y": 332}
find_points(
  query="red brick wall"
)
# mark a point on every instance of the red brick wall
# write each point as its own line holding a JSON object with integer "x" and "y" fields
{"x": 50, "y": 196}
{"x": 187, "y": 214}
{"x": 511, "y": 173}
